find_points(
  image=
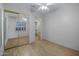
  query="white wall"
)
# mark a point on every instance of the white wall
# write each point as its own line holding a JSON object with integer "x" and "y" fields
{"x": 0, "y": 28}
{"x": 61, "y": 26}
{"x": 1, "y": 31}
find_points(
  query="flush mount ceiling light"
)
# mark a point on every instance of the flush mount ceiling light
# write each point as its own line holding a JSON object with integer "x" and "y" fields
{"x": 44, "y": 6}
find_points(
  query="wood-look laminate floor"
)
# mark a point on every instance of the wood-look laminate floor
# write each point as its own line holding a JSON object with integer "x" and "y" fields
{"x": 41, "y": 48}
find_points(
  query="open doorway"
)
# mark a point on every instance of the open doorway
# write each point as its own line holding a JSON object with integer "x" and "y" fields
{"x": 38, "y": 29}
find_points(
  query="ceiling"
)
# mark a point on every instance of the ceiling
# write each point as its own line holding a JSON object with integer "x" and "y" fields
{"x": 32, "y": 8}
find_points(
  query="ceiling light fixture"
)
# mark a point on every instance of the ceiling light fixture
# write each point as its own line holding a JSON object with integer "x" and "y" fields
{"x": 43, "y": 7}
